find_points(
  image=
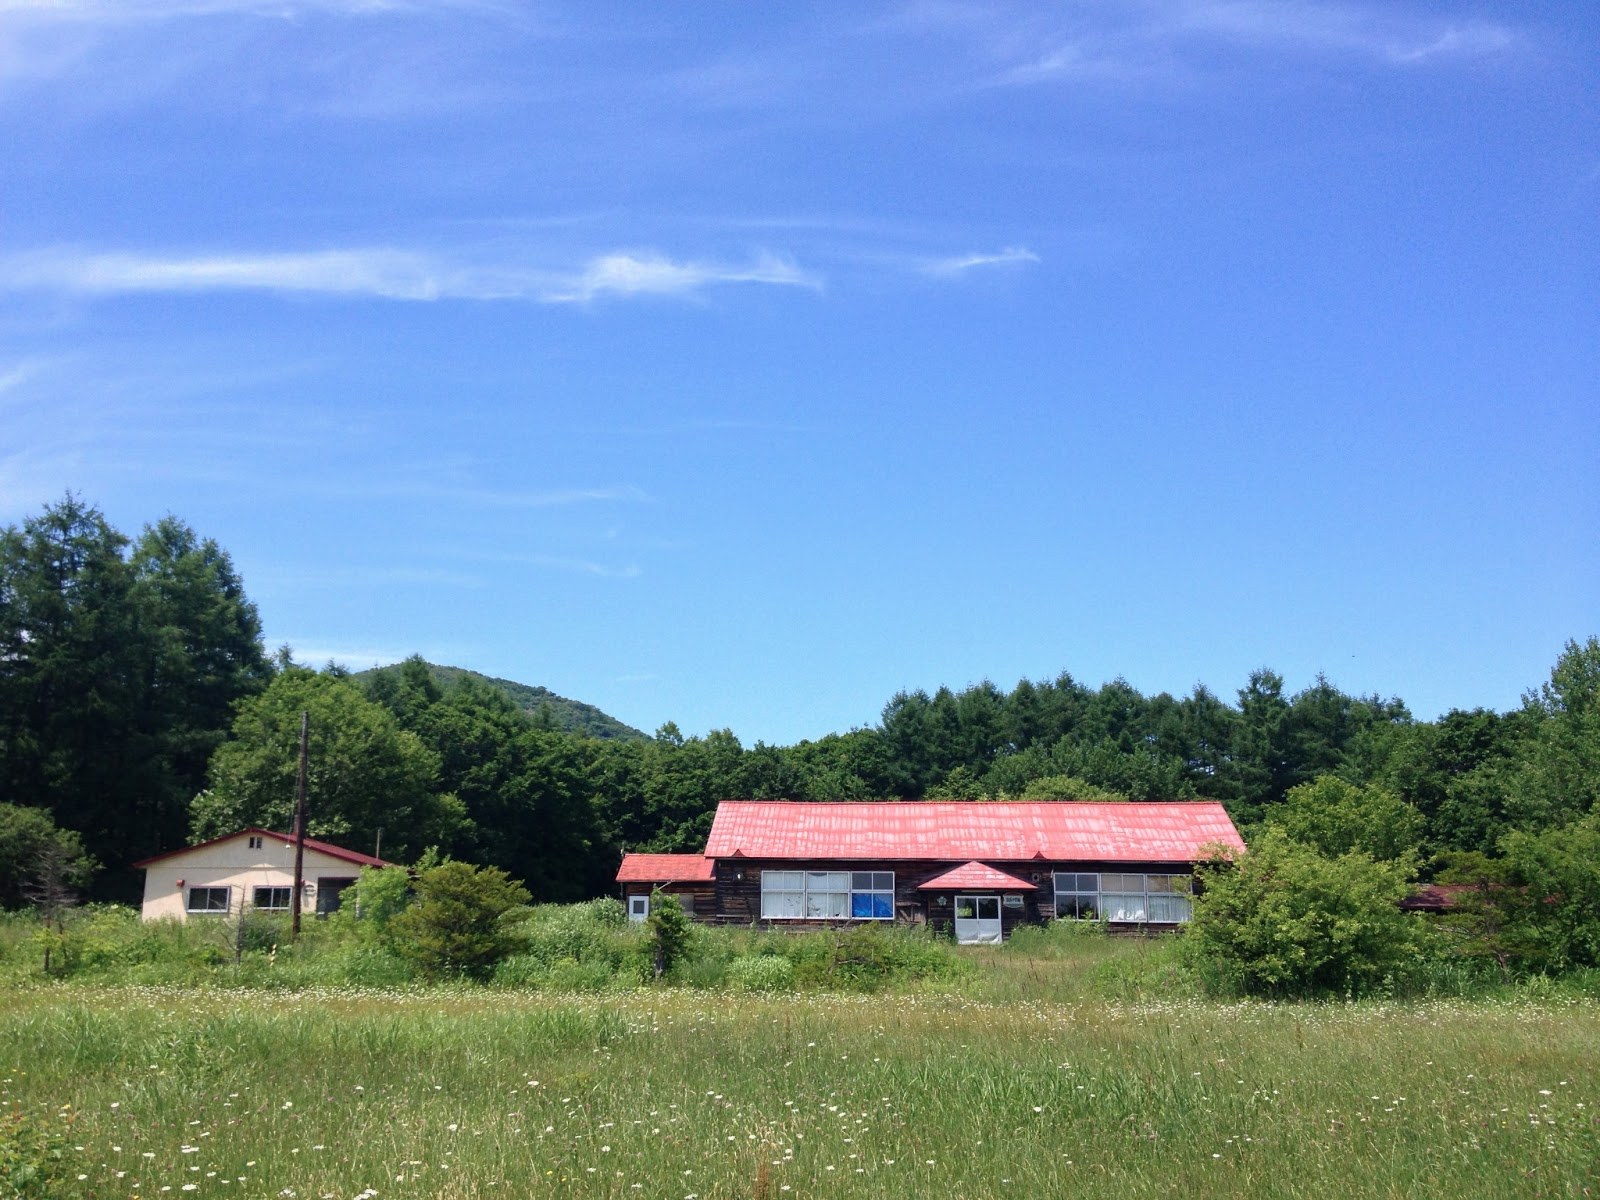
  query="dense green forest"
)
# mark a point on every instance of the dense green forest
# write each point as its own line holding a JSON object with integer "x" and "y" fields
{"x": 139, "y": 709}
{"x": 548, "y": 710}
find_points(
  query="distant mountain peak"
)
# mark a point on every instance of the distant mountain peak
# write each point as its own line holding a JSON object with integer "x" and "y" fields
{"x": 567, "y": 716}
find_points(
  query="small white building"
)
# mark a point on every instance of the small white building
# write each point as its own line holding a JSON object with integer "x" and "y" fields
{"x": 251, "y": 869}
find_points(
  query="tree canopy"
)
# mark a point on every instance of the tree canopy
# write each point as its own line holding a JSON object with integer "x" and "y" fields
{"x": 138, "y": 708}
{"x": 365, "y": 772}
{"x": 120, "y": 664}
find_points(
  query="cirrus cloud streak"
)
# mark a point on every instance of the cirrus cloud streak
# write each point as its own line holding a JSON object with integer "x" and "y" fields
{"x": 390, "y": 274}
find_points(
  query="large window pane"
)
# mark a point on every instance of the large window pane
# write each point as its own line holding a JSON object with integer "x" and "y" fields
{"x": 827, "y": 905}
{"x": 781, "y": 905}
{"x": 273, "y": 898}
{"x": 1124, "y": 906}
{"x": 1169, "y": 908}
{"x": 209, "y": 899}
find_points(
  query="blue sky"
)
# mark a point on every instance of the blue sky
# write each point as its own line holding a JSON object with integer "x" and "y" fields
{"x": 739, "y": 365}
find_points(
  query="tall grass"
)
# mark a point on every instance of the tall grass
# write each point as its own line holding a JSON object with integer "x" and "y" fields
{"x": 217, "y": 1061}
{"x": 675, "y": 1093}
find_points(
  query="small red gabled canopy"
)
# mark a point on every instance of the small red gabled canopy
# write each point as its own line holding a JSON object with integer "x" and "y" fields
{"x": 665, "y": 868}
{"x": 974, "y": 876}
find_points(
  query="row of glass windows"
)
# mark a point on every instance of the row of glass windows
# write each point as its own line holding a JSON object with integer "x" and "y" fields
{"x": 827, "y": 895}
{"x": 1106, "y": 896}
{"x": 869, "y": 895}
{"x": 220, "y": 899}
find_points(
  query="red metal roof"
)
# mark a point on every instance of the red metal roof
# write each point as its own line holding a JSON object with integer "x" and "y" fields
{"x": 664, "y": 868}
{"x": 974, "y": 876}
{"x": 328, "y": 848}
{"x": 962, "y": 830}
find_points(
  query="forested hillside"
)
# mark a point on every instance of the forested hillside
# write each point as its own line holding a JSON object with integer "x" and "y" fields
{"x": 139, "y": 709}
{"x": 548, "y": 710}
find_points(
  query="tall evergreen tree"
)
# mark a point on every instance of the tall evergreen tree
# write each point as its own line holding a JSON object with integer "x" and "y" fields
{"x": 118, "y": 674}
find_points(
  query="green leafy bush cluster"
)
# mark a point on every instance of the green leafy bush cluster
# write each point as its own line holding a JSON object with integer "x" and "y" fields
{"x": 578, "y": 947}
{"x": 761, "y": 973}
{"x": 33, "y": 1152}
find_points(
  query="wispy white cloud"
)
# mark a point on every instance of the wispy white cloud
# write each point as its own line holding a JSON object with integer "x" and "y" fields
{"x": 1142, "y": 40}
{"x": 1472, "y": 40}
{"x": 391, "y": 274}
{"x": 555, "y": 562}
{"x": 580, "y": 566}
{"x": 126, "y": 11}
{"x": 655, "y": 275}
{"x": 1376, "y": 32}
{"x": 493, "y": 498}
{"x": 962, "y": 263}
{"x": 358, "y": 576}
{"x": 15, "y": 376}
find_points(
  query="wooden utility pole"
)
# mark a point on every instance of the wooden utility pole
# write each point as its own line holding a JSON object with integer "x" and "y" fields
{"x": 300, "y": 828}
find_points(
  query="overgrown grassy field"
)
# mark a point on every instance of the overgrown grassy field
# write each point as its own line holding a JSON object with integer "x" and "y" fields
{"x": 1022, "y": 1078}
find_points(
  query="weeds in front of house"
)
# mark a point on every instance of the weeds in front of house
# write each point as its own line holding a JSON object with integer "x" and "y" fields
{"x": 576, "y": 948}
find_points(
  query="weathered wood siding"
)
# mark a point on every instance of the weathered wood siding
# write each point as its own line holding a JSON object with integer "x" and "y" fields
{"x": 735, "y": 896}
{"x": 699, "y": 899}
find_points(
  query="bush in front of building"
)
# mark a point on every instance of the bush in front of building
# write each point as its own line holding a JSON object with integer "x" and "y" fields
{"x": 1286, "y": 920}
{"x": 760, "y": 973}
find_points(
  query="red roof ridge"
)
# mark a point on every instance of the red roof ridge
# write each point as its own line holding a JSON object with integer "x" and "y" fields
{"x": 328, "y": 848}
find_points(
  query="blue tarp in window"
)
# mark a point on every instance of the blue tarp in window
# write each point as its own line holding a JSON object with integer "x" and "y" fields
{"x": 872, "y": 905}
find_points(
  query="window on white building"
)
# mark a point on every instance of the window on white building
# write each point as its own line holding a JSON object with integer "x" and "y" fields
{"x": 273, "y": 899}
{"x": 210, "y": 899}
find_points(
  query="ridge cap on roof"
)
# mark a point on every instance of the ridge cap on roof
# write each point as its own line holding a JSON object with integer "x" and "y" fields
{"x": 317, "y": 844}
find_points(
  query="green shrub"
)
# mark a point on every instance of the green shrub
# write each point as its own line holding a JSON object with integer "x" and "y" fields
{"x": 1285, "y": 920}
{"x": 458, "y": 925}
{"x": 33, "y": 1152}
{"x": 761, "y": 973}
{"x": 669, "y": 931}
{"x": 584, "y": 932}
{"x": 703, "y": 974}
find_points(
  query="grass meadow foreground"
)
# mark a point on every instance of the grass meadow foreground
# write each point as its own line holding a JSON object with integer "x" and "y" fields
{"x": 678, "y": 1094}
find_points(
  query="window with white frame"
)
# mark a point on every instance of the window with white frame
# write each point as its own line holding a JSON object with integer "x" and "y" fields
{"x": 1077, "y": 896}
{"x": 255, "y": 843}
{"x": 210, "y": 899}
{"x": 1169, "y": 897}
{"x": 872, "y": 895}
{"x": 273, "y": 899}
{"x": 827, "y": 895}
{"x": 1123, "y": 896}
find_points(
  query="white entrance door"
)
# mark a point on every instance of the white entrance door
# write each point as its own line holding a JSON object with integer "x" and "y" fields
{"x": 978, "y": 920}
{"x": 638, "y": 908}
